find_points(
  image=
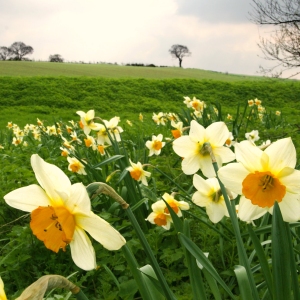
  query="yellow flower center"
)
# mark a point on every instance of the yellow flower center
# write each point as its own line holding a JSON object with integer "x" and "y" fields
{"x": 217, "y": 196}
{"x": 136, "y": 174}
{"x": 88, "y": 142}
{"x": 173, "y": 206}
{"x": 176, "y": 133}
{"x": 263, "y": 189}
{"x": 157, "y": 145}
{"x": 228, "y": 142}
{"x": 53, "y": 225}
{"x": 75, "y": 167}
{"x": 101, "y": 149}
{"x": 160, "y": 219}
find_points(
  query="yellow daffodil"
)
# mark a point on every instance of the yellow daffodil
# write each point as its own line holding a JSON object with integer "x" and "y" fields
{"x": 263, "y": 177}
{"x": 138, "y": 173}
{"x": 257, "y": 102}
{"x": 87, "y": 121}
{"x": 90, "y": 142}
{"x": 194, "y": 155}
{"x": 278, "y": 113}
{"x": 177, "y": 206}
{"x": 76, "y": 166}
{"x": 250, "y": 102}
{"x": 2, "y": 292}
{"x": 159, "y": 216}
{"x": 61, "y": 213}
{"x": 209, "y": 195}
{"x": 155, "y": 145}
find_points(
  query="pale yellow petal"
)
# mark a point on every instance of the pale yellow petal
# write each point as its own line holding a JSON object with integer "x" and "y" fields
{"x": 216, "y": 211}
{"x": 217, "y": 133}
{"x": 248, "y": 212}
{"x": 197, "y": 133}
{"x": 191, "y": 164}
{"x": 184, "y": 146}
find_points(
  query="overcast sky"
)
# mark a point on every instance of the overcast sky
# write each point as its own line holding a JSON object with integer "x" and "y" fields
{"x": 217, "y": 32}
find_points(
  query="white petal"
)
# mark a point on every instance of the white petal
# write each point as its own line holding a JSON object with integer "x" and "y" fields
{"x": 191, "y": 164}
{"x": 151, "y": 217}
{"x": 158, "y": 206}
{"x": 224, "y": 153}
{"x": 201, "y": 199}
{"x": 101, "y": 231}
{"x": 184, "y": 146}
{"x": 27, "y": 198}
{"x": 289, "y": 207}
{"x": 248, "y": 212}
{"x": 79, "y": 201}
{"x": 282, "y": 153}
{"x": 50, "y": 177}
{"x": 90, "y": 115}
{"x": 207, "y": 166}
{"x": 217, "y": 133}
{"x": 249, "y": 155}
{"x": 291, "y": 181}
{"x": 201, "y": 184}
{"x": 216, "y": 211}
{"x": 81, "y": 113}
{"x": 232, "y": 176}
{"x": 82, "y": 251}
{"x": 197, "y": 133}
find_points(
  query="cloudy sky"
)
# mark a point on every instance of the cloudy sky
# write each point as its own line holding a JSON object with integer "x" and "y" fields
{"x": 217, "y": 32}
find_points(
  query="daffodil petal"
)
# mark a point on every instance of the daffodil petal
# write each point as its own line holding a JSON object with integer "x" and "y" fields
{"x": 50, "y": 177}
{"x": 289, "y": 207}
{"x": 282, "y": 153}
{"x": 232, "y": 176}
{"x": 218, "y": 134}
{"x": 249, "y": 156}
{"x": 27, "y": 198}
{"x": 207, "y": 167}
{"x": 184, "y": 146}
{"x": 158, "y": 206}
{"x": 248, "y": 212}
{"x": 79, "y": 201}
{"x": 82, "y": 251}
{"x": 200, "y": 199}
{"x": 224, "y": 153}
{"x": 101, "y": 231}
{"x": 216, "y": 211}
{"x": 197, "y": 132}
{"x": 90, "y": 115}
{"x": 201, "y": 184}
{"x": 291, "y": 181}
{"x": 190, "y": 165}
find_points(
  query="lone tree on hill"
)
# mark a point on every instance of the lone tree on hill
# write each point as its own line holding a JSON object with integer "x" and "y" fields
{"x": 56, "y": 58}
{"x": 283, "y": 46}
{"x": 179, "y": 51}
{"x": 4, "y": 53}
{"x": 18, "y": 50}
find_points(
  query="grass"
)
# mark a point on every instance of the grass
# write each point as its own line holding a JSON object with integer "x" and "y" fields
{"x": 28, "y": 69}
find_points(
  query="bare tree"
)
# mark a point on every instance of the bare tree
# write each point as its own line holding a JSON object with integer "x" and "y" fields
{"x": 4, "y": 53}
{"x": 56, "y": 58}
{"x": 18, "y": 50}
{"x": 179, "y": 51}
{"x": 283, "y": 46}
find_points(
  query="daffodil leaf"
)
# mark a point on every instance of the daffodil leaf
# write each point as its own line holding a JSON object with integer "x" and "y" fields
{"x": 108, "y": 161}
{"x": 243, "y": 281}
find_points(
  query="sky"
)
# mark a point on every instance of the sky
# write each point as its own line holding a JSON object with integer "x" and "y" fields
{"x": 218, "y": 33}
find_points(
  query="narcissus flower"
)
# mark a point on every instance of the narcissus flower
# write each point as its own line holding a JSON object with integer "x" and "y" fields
{"x": 191, "y": 148}
{"x": 87, "y": 121}
{"x": 263, "y": 177}
{"x": 252, "y": 136}
{"x": 138, "y": 173}
{"x": 177, "y": 206}
{"x": 155, "y": 145}
{"x": 75, "y": 166}
{"x": 209, "y": 195}
{"x": 61, "y": 213}
{"x": 159, "y": 118}
{"x": 159, "y": 215}
{"x": 178, "y": 131}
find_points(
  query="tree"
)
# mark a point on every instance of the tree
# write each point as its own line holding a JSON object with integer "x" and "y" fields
{"x": 179, "y": 51}
{"x": 56, "y": 58}
{"x": 4, "y": 53}
{"x": 283, "y": 46}
{"x": 18, "y": 50}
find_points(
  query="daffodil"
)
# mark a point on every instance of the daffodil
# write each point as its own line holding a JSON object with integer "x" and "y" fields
{"x": 209, "y": 195}
{"x": 194, "y": 154}
{"x": 76, "y": 166}
{"x": 159, "y": 118}
{"x": 2, "y": 292}
{"x": 177, "y": 206}
{"x": 113, "y": 128}
{"x": 87, "y": 121}
{"x": 177, "y": 132}
{"x": 263, "y": 177}
{"x": 138, "y": 173}
{"x": 252, "y": 136}
{"x": 159, "y": 216}
{"x": 61, "y": 213}
{"x": 155, "y": 145}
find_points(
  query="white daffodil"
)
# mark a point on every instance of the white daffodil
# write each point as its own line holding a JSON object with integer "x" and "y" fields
{"x": 194, "y": 155}
{"x": 155, "y": 145}
{"x": 113, "y": 128}
{"x": 159, "y": 215}
{"x": 76, "y": 166}
{"x": 252, "y": 136}
{"x": 177, "y": 206}
{"x": 2, "y": 292}
{"x": 138, "y": 173}
{"x": 263, "y": 177}
{"x": 61, "y": 213}
{"x": 177, "y": 132}
{"x": 87, "y": 121}
{"x": 209, "y": 195}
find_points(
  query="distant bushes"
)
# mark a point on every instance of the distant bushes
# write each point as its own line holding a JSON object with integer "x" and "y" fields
{"x": 143, "y": 65}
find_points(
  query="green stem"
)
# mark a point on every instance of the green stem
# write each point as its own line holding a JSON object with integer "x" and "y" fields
{"x": 168, "y": 293}
{"x": 81, "y": 296}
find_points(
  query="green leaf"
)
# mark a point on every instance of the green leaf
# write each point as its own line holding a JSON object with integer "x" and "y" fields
{"x": 107, "y": 161}
{"x": 243, "y": 282}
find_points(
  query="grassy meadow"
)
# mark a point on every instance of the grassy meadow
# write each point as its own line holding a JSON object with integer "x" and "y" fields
{"x": 54, "y": 92}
